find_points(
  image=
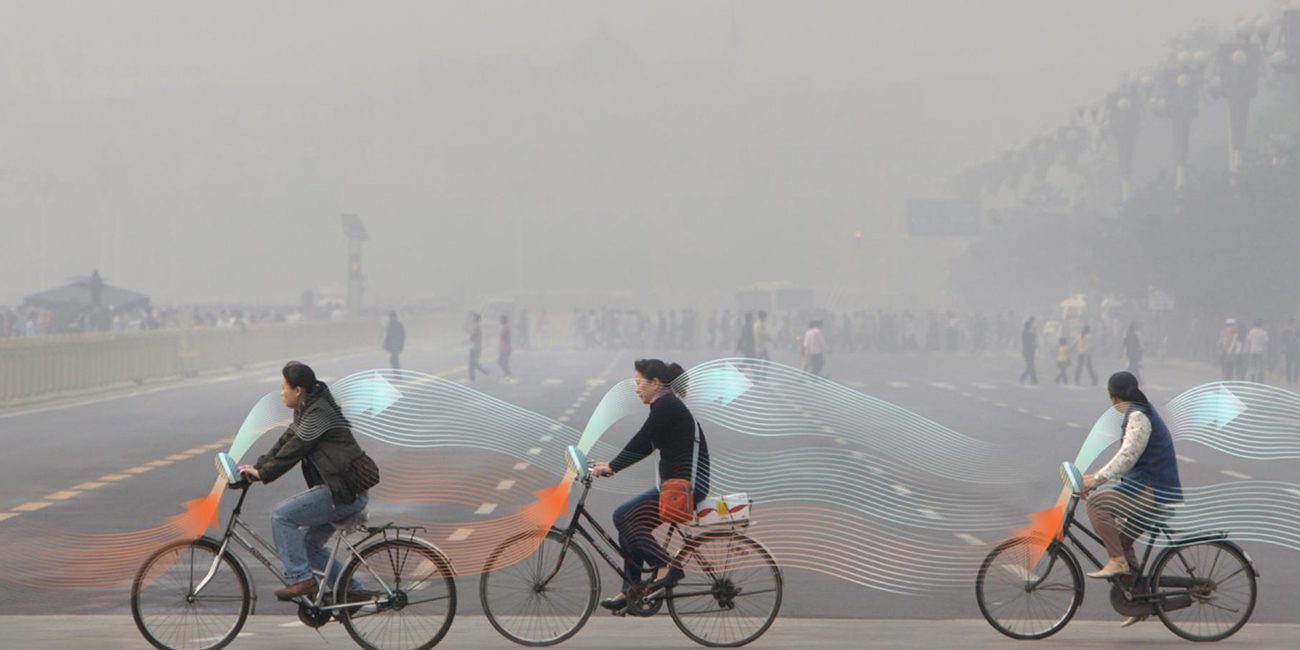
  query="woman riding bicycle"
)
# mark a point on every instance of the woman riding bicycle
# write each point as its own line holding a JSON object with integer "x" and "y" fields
{"x": 672, "y": 430}
{"x": 1145, "y": 468}
{"x": 337, "y": 471}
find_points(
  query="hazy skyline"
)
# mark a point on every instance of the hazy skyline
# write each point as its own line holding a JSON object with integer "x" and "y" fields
{"x": 204, "y": 153}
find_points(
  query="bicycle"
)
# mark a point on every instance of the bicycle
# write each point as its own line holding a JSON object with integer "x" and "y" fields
{"x": 1201, "y": 586}
{"x": 197, "y": 594}
{"x": 541, "y": 596}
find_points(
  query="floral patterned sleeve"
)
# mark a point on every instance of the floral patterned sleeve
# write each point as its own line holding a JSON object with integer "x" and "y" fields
{"x": 1136, "y": 435}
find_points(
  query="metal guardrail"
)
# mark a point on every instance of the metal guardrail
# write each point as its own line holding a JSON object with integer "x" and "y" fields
{"x": 34, "y": 368}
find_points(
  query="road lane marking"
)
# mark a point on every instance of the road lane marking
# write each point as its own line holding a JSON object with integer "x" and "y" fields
{"x": 113, "y": 477}
{"x": 521, "y": 466}
{"x": 92, "y": 485}
{"x": 31, "y": 506}
{"x": 1021, "y": 409}
{"x": 1046, "y": 418}
{"x": 1000, "y": 404}
{"x": 194, "y": 450}
{"x": 557, "y": 427}
{"x": 547, "y": 438}
{"x": 970, "y": 539}
{"x": 570, "y": 411}
{"x": 460, "y": 535}
{"x": 506, "y": 484}
{"x": 1228, "y": 472}
{"x": 62, "y": 496}
{"x": 553, "y": 381}
{"x": 1073, "y": 425}
{"x": 175, "y": 457}
{"x": 900, "y": 384}
{"x": 1185, "y": 459}
{"x": 534, "y": 451}
{"x": 139, "y": 470}
{"x": 158, "y": 463}
{"x": 984, "y": 386}
{"x": 563, "y": 418}
{"x": 901, "y": 489}
{"x": 929, "y": 514}
{"x": 1294, "y": 491}
{"x": 7, "y": 515}
{"x": 943, "y": 385}
{"x": 486, "y": 509}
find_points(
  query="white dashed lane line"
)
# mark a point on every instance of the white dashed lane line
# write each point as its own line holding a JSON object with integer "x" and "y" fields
{"x": 521, "y": 466}
{"x": 970, "y": 539}
{"x": 900, "y": 384}
{"x": 460, "y": 535}
{"x": 1230, "y": 473}
{"x": 506, "y": 484}
{"x": 1186, "y": 459}
{"x": 486, "y": 509}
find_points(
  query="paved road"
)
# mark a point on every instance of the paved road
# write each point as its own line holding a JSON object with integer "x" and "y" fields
{"x": 284, "y": 633}
{"x": 65, "y": 458}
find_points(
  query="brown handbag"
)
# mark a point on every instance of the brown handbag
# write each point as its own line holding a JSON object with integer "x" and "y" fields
{"x": 676, "y": 496}
{"x": 676, "y": 503}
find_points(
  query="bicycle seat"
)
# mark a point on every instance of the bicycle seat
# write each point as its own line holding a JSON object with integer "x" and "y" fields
{"x": 355, "y": 521}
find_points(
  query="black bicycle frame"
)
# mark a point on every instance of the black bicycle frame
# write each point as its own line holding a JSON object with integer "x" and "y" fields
{"x": 1139, "y": 576}
{"x": 575, "y": 526}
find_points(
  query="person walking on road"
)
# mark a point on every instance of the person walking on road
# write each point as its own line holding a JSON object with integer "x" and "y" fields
{"x": 505, "y": 346}
{"x": 814, "y": 349}
{"x": 1028, "y": 349}
{"x": 1083, "y": 357}
{"x": 1133, "y": 349}
{"x": 394, "y": 340}
{"x": 475, "y": 344}
{"x": 1257, "y": 349}
{"x": 745, "y": 344}
{"x": 1229, "y": 347}
{"x": 1063, "y": 361}
{"x": 1291, "y": 352}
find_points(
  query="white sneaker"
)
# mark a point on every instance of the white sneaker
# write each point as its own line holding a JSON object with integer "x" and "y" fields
{"x": 1133, "y": 620}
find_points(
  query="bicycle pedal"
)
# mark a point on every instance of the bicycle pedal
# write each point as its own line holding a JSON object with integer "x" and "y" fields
{"x": 618, "y": 612}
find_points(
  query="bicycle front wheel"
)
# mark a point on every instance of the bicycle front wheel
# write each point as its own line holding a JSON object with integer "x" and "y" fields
{"x": 1212, "y": 588}
{"x": 532, "y": 595}
{"x": 1026, "y": 594}
{"x": 731, "y": 592}
{"x": 409, "y": 594}
{"x": 168, "y": 611}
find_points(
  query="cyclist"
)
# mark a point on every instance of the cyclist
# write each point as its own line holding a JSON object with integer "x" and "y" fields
{"x": 337, "y": 471}
{"x": 671, "y": 429}
{"x": 1145, "y": 469}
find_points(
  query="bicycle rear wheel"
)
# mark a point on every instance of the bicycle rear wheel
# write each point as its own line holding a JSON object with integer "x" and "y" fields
{"x": 522, "y": 604}
{"x": 1220, "y": 586}
{"x": 731, "y": 592}
{"x": 1025, "y": 597}
{"x": 168, "y": 612}
{"x": 409, "y": 591}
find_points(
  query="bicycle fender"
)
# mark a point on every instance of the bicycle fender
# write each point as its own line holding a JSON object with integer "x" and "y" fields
{"x": 1220, "y": 536}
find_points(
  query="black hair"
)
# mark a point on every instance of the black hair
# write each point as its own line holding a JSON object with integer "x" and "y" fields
{"x": 299, "y": 375}
{"x": 1124, "y": 386}
{"x": 1085, "y": 330}
{"x": 392, "y": 315}
{"x": 668, "y": 374}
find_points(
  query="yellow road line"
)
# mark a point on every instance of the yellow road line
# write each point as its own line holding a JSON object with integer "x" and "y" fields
{"x": 62, "y": 496}
{"x": 176, "y": 457}
{"x": 139, "y": 470}
{"x": 92, "y": 485}
{"x": 7, "y": 515}
{"x": 113, "y": 477}
{"x": 31, "y": 506}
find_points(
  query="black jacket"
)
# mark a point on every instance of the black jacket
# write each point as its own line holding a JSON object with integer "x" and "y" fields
{"x": 669, "y": 428}
{"x": 321, "y": 438}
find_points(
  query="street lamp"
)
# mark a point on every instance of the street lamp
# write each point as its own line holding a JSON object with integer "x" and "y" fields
{"x": 1287, "y": 57}
{"x": 1177, "y": 95}
{"x": 356, "y": 234}
{"x": 1123, "y": 120}
{"x": 1237, "y": 80}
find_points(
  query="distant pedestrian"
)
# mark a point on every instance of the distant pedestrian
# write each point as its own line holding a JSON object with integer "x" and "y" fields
{"x": 1257, "y": 349}
{"x": 1028, "y": 350}
{"x": 1291, "y": 352}
{"x": 475, "y": 344}
{"x": 814, "y": 348}
{"x": 505, "y": 346}
{"x": 1063, "y": 361}
{"x": 1083, "y": 356}
{"x": 394, "y": 340}
{"x": 1133, "y": 349}
{"x": 745, "y": 344}
{"x": 1229, "y": 348}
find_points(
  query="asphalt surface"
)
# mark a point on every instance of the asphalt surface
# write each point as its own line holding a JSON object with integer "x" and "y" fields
{"x": 55, "y": 487}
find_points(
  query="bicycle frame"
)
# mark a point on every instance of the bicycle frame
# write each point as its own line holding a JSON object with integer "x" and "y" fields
{"x": 235, "y": 526}
{"x": 580, "y": 513}
{"x": 1140, "y": 576}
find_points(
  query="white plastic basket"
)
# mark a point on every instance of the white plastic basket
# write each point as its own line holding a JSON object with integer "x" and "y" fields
{"x": 727, "y": 510}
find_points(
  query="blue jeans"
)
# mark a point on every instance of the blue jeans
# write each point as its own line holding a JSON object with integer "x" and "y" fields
{"x": 301, "y": 526}
{"x": 636, "y": 521}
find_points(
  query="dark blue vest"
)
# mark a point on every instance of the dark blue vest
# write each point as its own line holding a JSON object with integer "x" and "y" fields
{"x": 1157, "y": 467}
